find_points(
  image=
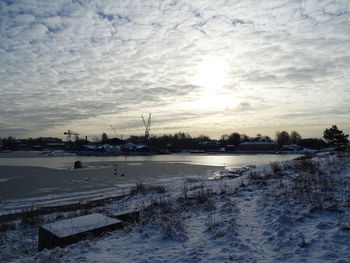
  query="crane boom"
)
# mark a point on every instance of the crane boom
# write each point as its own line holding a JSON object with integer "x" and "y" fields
{"x": 69, "y": 134}
{"x": 147, "y": 126}
{"x": 115, "y": 132}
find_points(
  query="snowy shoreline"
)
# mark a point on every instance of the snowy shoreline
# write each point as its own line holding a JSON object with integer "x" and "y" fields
{"x": 292, "y": 211}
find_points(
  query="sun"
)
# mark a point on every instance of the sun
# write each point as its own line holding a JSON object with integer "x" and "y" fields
{"x": 211, "y": 74}
{"x": 212, "y": 77}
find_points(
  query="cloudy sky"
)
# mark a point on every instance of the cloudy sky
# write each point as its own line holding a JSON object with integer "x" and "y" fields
{"x": 204, "y": 67}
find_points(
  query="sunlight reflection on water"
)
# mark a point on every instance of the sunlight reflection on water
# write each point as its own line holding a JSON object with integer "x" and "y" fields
{"x": 226, "y": 160}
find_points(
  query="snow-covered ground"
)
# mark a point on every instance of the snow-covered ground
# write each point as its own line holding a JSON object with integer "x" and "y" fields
{"x": 293, "y": 211}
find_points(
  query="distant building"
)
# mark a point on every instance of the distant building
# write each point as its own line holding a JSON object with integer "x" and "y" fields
{"x": 209, "y": 146}
{"x": 230, "y": 148}
{"x": 128, "y": 147}
{"x": 258, "y": 146}
{"x": 55, "y": 146}
{"x": 115, "y": 141}
{"x": 49, "y": 139}
{"x": 111, "y": 149}
{"x": 142, "y": 148}
{"x": 48, "y": 144}
{"x": 90, "y": 147}
{"x": 292, "y": 147}
{"x": 37, "y": 147}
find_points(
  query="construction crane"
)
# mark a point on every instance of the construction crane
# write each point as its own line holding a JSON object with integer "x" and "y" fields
{"x": 69, "y": 134}
{"x": 115, "y": 132}
{"x": 147, "y": 126}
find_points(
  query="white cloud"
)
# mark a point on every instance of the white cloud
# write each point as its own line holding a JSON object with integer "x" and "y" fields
{"x": 74, "y": 63}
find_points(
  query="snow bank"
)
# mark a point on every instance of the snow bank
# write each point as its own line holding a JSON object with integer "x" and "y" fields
{"x": 296, "y": 211}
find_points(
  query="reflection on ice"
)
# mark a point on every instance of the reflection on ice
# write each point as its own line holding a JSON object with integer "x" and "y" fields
{"x": 231, "y": 172}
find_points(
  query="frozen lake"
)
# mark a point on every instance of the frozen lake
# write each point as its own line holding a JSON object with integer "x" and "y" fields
{"x": 37, "y": 177}
{"x": 227, "y": 160}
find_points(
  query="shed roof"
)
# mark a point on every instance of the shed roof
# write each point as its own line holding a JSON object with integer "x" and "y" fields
{"x": 69, "y": 227}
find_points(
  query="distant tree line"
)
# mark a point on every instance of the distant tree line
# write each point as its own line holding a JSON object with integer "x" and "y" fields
{"x": 331, "y": 137}
{"x": 181, "y": 140}
{"x": 8, "y": 143}
{"x": 236, "y": 138}
{"x": 284, "y": 138}
{"x": 12, "y": 143}
{"x": 177, "y": 141}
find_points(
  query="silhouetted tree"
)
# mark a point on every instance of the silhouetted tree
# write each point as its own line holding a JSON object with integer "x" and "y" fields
{"x": 245, "y": 138}
{"x": 282, "y": 138}
{"x": 224, "y": 139}
{"x": 104, "y": 138}
{"x": 257, "y": 138}
{"x": 204, "y": 137}
{"x": 336, "y": 137}
{"x": 260, "y": 138}
{"x": 182, "y": 136}
{"x": 9, "y": 143}
{"x": 234, "y": 138}
{"x": 182, "y": 140}
{"x": 295, "y": 137}
{"x": 266, "y": 138}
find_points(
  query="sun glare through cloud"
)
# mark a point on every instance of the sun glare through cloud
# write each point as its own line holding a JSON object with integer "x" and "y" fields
{"x": 211, "y": 77}
{"x": 69, "y": 64}
{"x": 211, "y": 74}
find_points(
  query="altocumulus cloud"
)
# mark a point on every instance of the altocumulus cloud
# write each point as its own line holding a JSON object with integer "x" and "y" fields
{"x": 82, "y": 64}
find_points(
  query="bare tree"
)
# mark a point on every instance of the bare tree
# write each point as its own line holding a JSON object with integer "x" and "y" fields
{"x": 282, "y": 138}
{"x": 295, "y": 137}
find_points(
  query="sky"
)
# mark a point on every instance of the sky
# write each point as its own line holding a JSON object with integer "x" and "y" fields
{"x": 202, "y": 67}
